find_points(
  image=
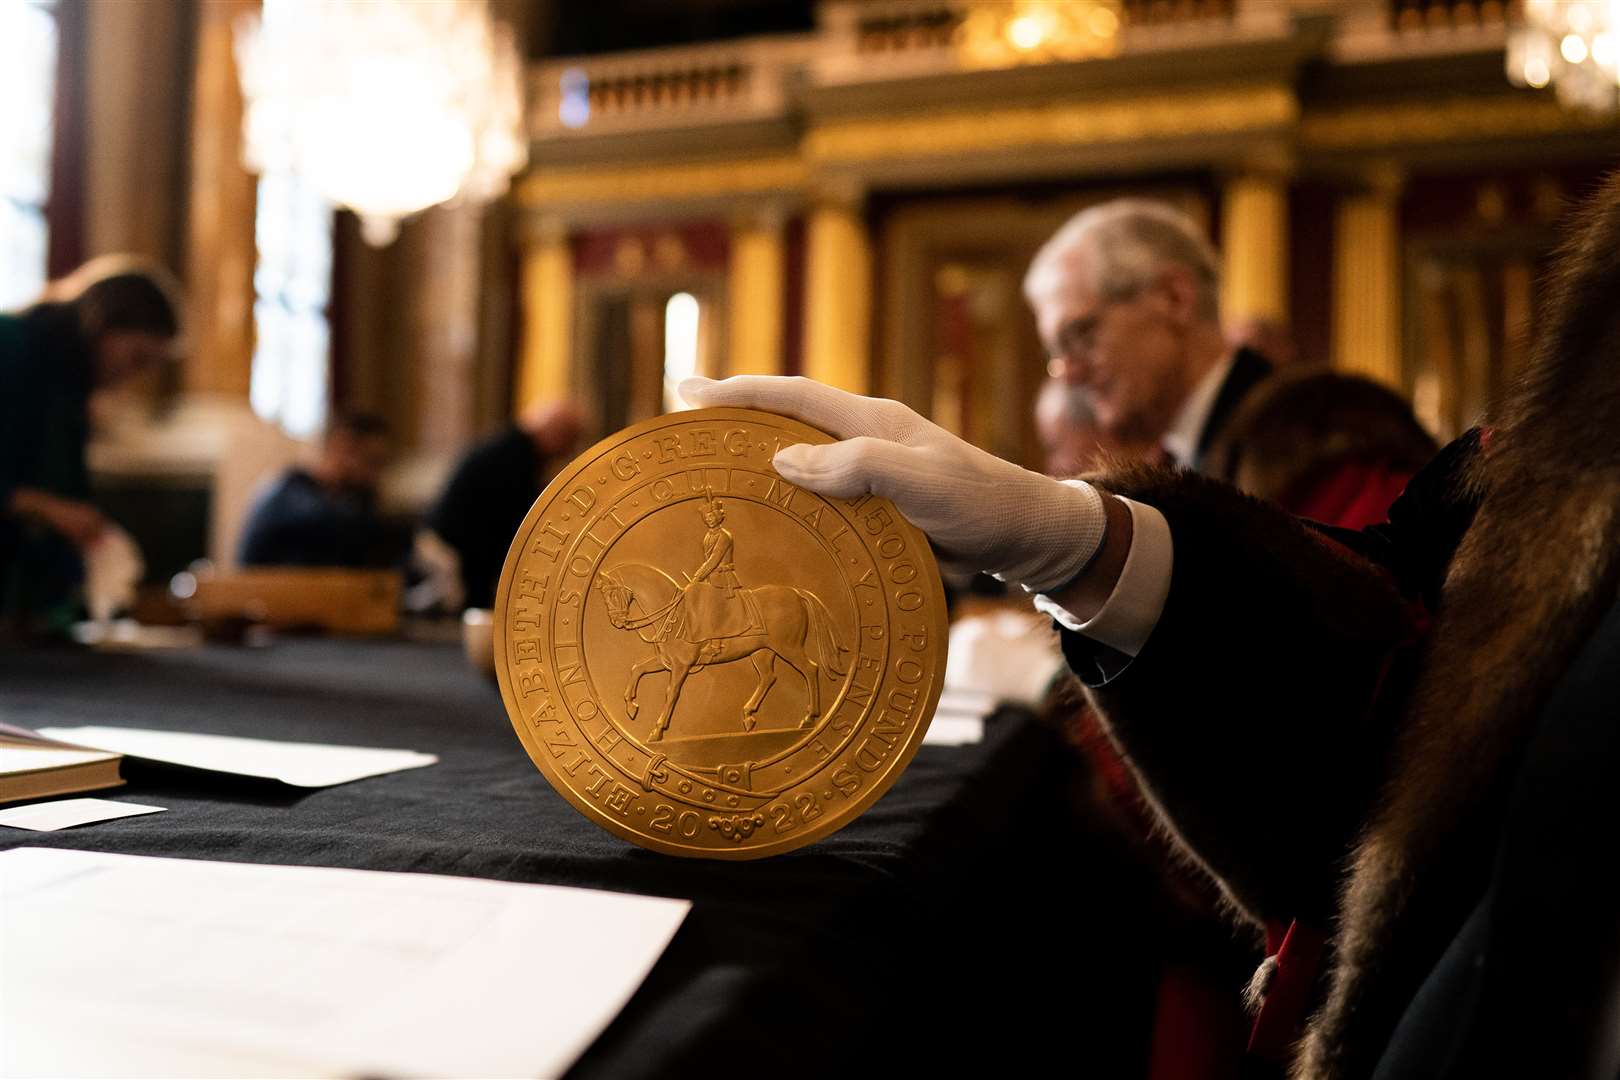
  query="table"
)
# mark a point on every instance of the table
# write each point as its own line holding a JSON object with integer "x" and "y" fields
{"x": 947, "y": 926}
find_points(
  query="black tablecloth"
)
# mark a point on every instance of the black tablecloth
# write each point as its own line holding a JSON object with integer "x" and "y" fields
{"x": 949, "y": 925}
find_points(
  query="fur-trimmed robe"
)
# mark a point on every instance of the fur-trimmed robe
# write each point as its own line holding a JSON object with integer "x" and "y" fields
{"x": 1322, "y": 773}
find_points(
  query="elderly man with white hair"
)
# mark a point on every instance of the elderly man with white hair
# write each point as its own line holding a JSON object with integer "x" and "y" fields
{"x": 1125, "y": 297}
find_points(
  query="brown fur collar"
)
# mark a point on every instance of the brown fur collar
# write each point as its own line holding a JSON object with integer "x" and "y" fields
{"x": 1527, "y": 586}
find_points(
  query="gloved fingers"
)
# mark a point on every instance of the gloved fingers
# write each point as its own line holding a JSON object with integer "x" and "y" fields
{"x": 857, "y": 466}
{"x": 837, "y": 412}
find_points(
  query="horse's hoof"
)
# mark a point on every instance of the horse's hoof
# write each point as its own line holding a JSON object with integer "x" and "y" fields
{"x": 630, "y": 709}
{"x": 807, "y": 722}
{"x": 658, "y": 733}
{"x": 748, "y": 721}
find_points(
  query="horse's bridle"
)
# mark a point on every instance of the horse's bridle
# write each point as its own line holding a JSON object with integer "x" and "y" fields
{"x": 618, "y": 597}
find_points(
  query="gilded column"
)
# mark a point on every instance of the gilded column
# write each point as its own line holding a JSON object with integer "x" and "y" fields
{"x": 838, "y": 295}
{"x": 1254, "y": 248}
{"x": 441, "y": 271}
{"x": 1366, "y": 283}
{"x": 754, "y": 295}
{"x": 135, "y": 73}
{"x": 220, "y": 247}
{"x": 545, "y": 359}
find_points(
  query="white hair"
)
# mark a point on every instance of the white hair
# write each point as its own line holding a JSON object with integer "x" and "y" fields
{"x": 1130, "y": 242}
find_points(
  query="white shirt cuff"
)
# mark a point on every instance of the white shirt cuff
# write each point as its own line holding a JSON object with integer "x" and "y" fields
{"x": 1132, "y": 610}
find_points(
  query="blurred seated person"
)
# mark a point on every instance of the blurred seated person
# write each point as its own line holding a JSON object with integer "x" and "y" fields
{"x": 1071, "y": 440}
{"x": 492, "y": 488}
{"x": 1333, "y": 448}
{"x": 112, "y": 320}
{"x": 325, "y": 514}
{"x": 1066, "y": 428}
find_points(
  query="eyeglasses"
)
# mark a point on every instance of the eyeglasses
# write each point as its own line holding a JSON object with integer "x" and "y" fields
{"x": 1077, "y": 337}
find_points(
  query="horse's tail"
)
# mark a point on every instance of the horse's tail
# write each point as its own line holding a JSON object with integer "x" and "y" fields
{"x": 829, "y": 653}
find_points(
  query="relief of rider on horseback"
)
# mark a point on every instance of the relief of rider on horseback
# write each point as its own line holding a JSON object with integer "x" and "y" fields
{"x": 726, "y": 609}
{"x": 712, "y": 619}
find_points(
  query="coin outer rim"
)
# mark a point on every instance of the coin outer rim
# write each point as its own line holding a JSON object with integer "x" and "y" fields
{"x": 938, "y": 626}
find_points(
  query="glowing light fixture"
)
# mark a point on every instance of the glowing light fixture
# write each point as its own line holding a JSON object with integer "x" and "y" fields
{"x": 386, "y": 107}
{"x": 1027, "y": 32}
{"x": 1001, "y": 34}
{"x": 1569, "y": 45}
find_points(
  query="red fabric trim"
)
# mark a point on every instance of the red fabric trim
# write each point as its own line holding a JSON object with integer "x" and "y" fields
{"x": 1197, "y": 1027}
{"x": 1353, "y": 495}
{"x": 1276, "y": 934}
{"x": 1288, "y": 998}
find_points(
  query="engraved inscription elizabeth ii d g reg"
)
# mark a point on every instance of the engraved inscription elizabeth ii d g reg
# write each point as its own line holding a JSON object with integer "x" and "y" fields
{"x": 706, "y": 660}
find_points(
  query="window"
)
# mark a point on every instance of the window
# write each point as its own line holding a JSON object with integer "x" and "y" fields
{"x": 682, "y": 316}
{"x": 292, "y": 285}
{"x": 28, "y": 93}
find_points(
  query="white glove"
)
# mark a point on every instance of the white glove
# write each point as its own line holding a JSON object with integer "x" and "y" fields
{"x": 982, "y": 513}
{"x": 440, "y": 567}
{"x": 112, "y": 568}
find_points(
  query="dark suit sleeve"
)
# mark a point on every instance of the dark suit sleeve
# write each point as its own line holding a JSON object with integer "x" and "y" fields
{"x": 297, "y": 523}
{"x": 264, "y": 540}
{"x": 483, "y": 504}
{"x": 480, "y": 487}
{"x": 18, "y": 395}
{"x": 1248, "y": 715}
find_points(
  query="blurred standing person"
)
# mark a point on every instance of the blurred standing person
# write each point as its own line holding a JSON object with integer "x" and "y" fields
{"x": 112, "y": 320}
{"x": 326, "y": 514}
{"x": 1125, "y": 298}
{"x": 493, "y": 486}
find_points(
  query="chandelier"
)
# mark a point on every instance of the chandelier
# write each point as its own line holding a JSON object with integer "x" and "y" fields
{"x": 386, "y": 107}
{"x": 999, "y": 34}
{"x": 1574, "y": 45}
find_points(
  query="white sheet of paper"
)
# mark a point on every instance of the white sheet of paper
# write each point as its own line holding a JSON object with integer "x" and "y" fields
{"x": 973, "y": 702}
{"x": 123, "y": 965}
{"x": 299, "y": 764}
{"x": 1011, "y": 656}
{"x": 946, "y": 730}
{"x": 66, "y": 813}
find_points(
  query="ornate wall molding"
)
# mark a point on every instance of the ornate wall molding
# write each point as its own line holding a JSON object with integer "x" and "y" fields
{"x": 1120, "y": 120}
{"x": 652, "y": 182}
{"x": 1452, "y": 119}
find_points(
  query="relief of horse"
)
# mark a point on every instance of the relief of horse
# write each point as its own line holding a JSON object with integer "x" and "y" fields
{"x": 795, "y": 627}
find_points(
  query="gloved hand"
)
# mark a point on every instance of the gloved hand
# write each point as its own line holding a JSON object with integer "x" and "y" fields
{"x": 112, "y": 568}
{"x": 980, "y": 512}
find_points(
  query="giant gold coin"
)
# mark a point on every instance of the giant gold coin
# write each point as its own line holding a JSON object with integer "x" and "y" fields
{"x": 707, "y": 660}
